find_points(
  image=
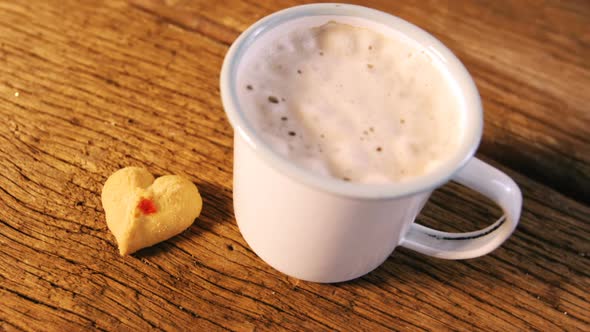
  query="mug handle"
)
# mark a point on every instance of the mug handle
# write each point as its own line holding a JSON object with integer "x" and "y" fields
{"x": 493, "y": 184}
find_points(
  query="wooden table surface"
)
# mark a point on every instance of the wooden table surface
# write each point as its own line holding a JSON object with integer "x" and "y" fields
{"x": 87, "y": 87}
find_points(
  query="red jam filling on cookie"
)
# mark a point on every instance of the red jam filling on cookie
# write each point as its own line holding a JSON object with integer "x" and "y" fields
{"x": 147, "y": 206}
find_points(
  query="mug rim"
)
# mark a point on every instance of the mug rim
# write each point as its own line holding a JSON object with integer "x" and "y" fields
{"x": 459, "y": 74}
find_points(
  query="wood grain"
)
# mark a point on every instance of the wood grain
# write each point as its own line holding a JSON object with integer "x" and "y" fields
{"x": 89, "y": 87}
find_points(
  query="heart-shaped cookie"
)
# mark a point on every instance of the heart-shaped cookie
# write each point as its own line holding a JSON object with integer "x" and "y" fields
{"x": 141, "y": 211}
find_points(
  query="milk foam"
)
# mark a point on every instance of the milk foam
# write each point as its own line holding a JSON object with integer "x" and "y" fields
{"x": 349, "y": 102}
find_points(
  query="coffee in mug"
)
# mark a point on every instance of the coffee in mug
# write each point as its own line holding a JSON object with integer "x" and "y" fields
{"x": 347, "y": 101}
{"x": 345, "y": 120}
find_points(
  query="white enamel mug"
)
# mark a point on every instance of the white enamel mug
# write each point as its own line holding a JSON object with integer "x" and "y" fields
{"x": 323, "y": 229}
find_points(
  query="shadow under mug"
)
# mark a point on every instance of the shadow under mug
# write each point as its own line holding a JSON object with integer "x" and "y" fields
{"x": 324, "y": 229}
